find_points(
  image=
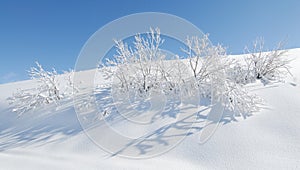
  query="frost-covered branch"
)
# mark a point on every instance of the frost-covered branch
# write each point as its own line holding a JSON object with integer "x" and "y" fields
{"x": 47, "y": 90}
{"x": 267, "y": 65}
{"x": 139, "y": 67}
{"x": 211, "y": 67}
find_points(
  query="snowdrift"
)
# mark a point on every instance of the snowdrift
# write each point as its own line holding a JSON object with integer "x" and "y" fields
{"x": 52, "y": 137}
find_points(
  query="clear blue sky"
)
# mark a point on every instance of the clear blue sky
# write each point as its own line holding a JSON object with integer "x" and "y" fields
{"x": 53, "y": 31}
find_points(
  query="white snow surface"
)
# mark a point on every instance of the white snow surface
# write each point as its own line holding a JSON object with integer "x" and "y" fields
{"x": 52, "y": 139}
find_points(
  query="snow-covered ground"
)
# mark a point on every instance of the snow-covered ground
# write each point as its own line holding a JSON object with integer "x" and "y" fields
{"x": 52, "y": 138}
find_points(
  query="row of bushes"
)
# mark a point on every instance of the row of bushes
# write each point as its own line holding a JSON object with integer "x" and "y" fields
{"x": 142, "y": 69}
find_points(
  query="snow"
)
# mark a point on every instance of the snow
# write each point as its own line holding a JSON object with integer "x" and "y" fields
{"x": 52, "y": 138}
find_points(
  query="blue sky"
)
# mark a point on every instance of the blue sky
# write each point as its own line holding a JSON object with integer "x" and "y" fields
{"x": 54, "y": 31}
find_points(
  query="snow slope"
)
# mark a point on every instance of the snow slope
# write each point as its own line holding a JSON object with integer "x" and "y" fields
{"x": 52, "y": 138}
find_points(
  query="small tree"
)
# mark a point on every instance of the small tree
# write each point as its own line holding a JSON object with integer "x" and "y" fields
{"x": 47, "y": 90}
{"x": 266, "y": 65}
{"x": 207, "y": 62}
{"x": 142, "y": 68}
{"x": 48, "y": 83}
{"x": 210, "y": 67}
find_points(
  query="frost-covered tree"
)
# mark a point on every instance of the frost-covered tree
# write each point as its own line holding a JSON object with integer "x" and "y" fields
{"x": 46, "y": 91}
{"x": 48, "y": 83}
{"x": 209, "y": 65}
{"x": 141, "y": 68}
{"x": 207, "y": 62}
{"x": 267, "y": 65}
{"x": 260, "y": 64}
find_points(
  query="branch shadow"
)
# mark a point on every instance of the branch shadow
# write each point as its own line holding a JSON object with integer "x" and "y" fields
{"x": 162, "y": 136}
{"x": 39, "y": 127}
{"x": 54, "y": 124}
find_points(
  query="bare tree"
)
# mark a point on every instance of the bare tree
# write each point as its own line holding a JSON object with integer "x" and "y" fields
{"x": 47, "y": 90}
{"x": 138, "y": 67}
{"x": 207, "y": 62}
{"x": 48, "y": 83}
{"x": 210, "y": 67}
{"x": 267, "y": 65}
